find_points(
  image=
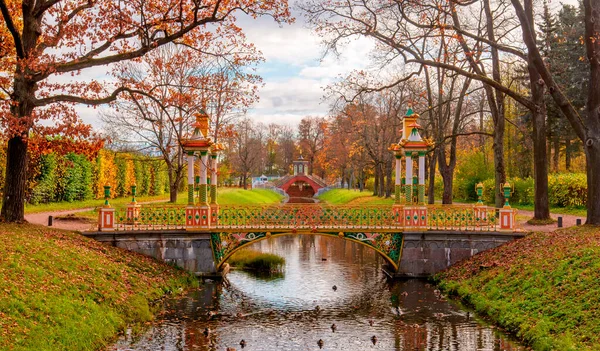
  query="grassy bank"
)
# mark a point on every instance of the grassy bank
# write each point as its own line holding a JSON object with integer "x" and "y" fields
{"x": 544, "y": 288}
{"x": 343, "y": 196}
{"x": 61, "y": 291}
{"x": 256, "y": 261}
{"x": 226, "y": 196}
{"x": 238, "y": 196}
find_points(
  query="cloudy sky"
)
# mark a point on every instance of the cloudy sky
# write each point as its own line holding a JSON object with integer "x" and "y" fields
{"x": 294, "y": 72}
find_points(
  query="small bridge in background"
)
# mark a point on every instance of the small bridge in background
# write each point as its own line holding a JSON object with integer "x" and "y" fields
{"x": 414, "y": 238}
{"x": 300, "y": 184}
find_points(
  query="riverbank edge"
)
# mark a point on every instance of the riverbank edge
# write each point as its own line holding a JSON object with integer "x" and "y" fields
{"x": 538, "y": 288}
{"x": 62, "y": 291}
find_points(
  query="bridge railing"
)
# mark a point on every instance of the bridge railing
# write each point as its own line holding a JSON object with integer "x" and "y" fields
{"x": 318, "y": 216}
{"x": 150, "y": 217}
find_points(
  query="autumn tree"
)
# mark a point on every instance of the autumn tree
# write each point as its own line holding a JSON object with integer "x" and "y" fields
{"x": 63, "y": 38}
{"x": 179, "y": 83}
{"x": 311, "y": 136}
{"x": 246, "y": 150}
{"x": 586, "y": 125}
{"x": 483, "y": 30}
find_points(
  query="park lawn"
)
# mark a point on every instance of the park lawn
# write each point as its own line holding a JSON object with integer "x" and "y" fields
{"x": 75, "y": 205}
{"x": 226, "y": 196}
{"x": 576, "y": 211}
{"x": 239, "y": 196}
{"x": 544, "y": 288}
{"x": 62, "y": 291}
{"x": 342, "y": 196}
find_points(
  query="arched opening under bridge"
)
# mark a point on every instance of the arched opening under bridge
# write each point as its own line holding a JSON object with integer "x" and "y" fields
{"x": 387, "y": 244}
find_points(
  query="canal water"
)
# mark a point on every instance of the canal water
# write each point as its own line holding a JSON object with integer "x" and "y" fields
{"x": 296, "y": 309}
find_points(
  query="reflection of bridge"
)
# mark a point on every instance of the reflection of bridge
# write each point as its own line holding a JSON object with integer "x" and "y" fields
{"x": 414, "y": 240}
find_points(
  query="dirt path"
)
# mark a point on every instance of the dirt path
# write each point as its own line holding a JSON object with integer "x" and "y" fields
{"x": 568, "y": 221}
{"x": 77, "y": 223}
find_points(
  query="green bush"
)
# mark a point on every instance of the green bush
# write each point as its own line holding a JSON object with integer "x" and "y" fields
{"x": 78, "y": 178}
{"x": 564, "y": 190}
{"x": 472, "y": 170}
{"x": 45, "y": 188}
{"x": 567, "y": 189}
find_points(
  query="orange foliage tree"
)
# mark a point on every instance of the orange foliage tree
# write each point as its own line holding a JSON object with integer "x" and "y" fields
{"x": 64, "y": 37}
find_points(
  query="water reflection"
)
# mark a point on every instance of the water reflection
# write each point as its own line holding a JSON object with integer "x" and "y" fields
{"x": 294, "y": 310}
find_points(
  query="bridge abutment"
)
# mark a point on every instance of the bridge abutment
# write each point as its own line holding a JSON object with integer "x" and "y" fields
{"x": 189, "y": 251}
{"x": 427, "y": 253}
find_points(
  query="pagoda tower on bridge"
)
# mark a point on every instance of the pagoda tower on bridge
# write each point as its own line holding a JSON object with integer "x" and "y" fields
{"x": 411, "y": 207}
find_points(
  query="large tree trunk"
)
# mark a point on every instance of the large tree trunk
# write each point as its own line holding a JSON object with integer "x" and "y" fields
{"x": 448, "y": 184}
{"x": 496, "y": 102}
{"x": 541, "y": 209}
{"x": 540, "y": 158}
{"x": 173, "y": 191}
{"x": 431, "y": 186}
{"x": 13, "y": 205}
{"x": 592, "y": 152}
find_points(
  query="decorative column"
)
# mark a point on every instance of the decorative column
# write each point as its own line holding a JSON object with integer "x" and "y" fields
{"x": 190, "y": 178}
{"x": 408, "y": 187}
{"x": 507, "y": 213}
{"x": 398, "y": 186}
{"x": 214, "y": 206}
{"x": 133, "y": 209}
{"x": 480, "y": 209}
{"x": 421, "y": 186}
{"x": 204, "y": 206}
{"x": 106, "y": 215}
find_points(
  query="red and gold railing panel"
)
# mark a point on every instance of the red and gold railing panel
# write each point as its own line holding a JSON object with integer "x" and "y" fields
{"x": 151, "y": 217}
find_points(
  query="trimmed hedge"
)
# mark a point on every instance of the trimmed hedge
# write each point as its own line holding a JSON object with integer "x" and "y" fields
{"x": 564, "y": 190}
{"x": 74, "y": 177}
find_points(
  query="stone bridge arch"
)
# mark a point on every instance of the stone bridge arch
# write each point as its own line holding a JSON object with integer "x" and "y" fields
{"x": 387, "y": 244}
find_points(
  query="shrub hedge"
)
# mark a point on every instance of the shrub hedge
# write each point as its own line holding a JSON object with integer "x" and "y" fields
{"x": 564, "y": 190}
{"x": 75, "y": 177}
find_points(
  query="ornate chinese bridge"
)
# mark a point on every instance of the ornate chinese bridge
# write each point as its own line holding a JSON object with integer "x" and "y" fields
{"x": 414, "y": 238}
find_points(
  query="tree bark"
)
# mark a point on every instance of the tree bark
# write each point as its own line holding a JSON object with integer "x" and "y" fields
{"x": 448, "y": 184}
{"x": 541, "y": 209}
{"x": 431, "y": 186}
{"x": 13, "y": 205}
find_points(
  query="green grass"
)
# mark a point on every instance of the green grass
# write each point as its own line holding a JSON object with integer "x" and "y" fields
{"x": 257, "y": 261}
{"x": 238, "y": 196}
{"x": 62, "y": 291}
{"x": 342, "y": 196}
{"x": 576, "y": 211}
{"x": 544, "y": 288}
{"x": 64, "y": 206}
{"x": 226, "y": 196}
